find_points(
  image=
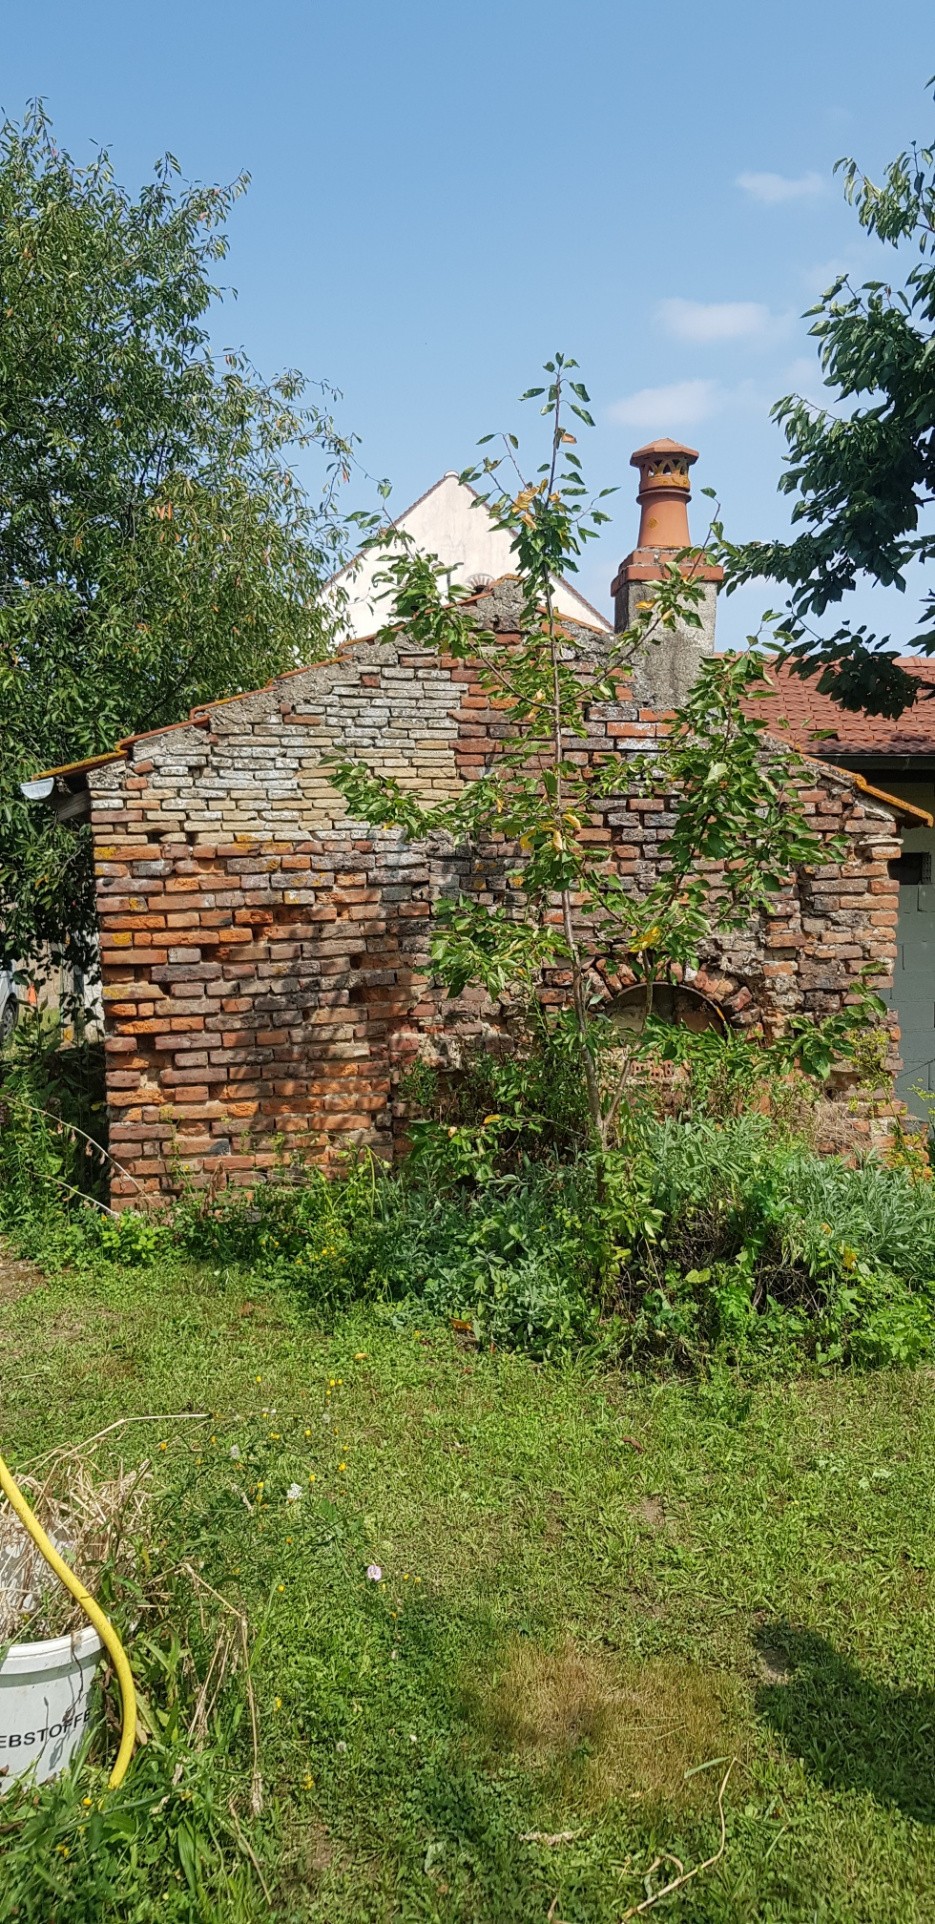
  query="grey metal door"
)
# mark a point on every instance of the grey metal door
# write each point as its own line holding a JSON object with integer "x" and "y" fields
{"x": 914, "y": 986}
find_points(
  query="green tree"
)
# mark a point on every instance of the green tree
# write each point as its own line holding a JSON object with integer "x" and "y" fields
{"x": 863, "y": 469}
{"x": 157, "y": 548}
{"x": 541, "y": 810}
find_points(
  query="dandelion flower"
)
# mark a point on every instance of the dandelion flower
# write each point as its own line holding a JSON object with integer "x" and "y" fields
{"x": 342, "y": 1466}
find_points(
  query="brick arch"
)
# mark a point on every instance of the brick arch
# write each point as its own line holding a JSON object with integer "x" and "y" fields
{"x": 677, "y": 1002}
{"x": 731, "y": 994}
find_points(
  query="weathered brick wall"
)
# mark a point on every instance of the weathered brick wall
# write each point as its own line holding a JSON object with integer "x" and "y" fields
{"x": 264, "y": 958}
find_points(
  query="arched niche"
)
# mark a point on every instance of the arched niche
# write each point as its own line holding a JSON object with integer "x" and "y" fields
{"x": 672, "y": 1002}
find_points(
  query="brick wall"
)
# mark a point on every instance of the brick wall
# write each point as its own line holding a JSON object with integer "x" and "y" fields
{"x": 263, "y": 957}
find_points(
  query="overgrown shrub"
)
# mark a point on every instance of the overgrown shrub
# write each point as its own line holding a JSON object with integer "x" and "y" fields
{"x": 767, "y": 1248}
{"x": 53, "y": 1125}
{"x": 699, "y": 1237}
{"x": 510, "y": 1257}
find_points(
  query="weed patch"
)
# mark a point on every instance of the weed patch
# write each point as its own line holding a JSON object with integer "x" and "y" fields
{"x": 699, "y": 1240}
{"x": 603, "y": 1732}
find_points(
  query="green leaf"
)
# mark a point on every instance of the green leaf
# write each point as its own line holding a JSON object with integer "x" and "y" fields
{"x": 176, "y": 556}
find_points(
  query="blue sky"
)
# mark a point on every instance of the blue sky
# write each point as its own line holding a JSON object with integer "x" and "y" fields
{"x": 444, "y": 193}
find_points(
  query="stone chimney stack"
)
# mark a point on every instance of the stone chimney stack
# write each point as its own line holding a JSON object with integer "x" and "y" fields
{"x": 666, "y": 666}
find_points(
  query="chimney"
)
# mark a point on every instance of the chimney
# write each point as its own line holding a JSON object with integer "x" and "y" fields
{"x": 666, "y": 666}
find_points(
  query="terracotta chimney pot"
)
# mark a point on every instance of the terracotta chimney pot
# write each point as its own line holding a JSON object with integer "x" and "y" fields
{"x": 666, "y": 665}
{"x": 664, "y": 493}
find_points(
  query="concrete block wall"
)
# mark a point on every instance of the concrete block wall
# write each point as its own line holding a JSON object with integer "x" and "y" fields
{"x": 264, "y": 958}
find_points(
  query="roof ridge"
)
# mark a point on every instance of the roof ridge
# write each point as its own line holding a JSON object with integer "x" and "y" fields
{"x": 451, "y": 474}
{"x": 199, "y": 716}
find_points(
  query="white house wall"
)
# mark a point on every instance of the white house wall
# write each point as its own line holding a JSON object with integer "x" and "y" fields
{"x": 445, "y": 522}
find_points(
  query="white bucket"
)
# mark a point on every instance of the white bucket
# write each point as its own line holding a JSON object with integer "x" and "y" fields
{"x": 45, "y": 1704}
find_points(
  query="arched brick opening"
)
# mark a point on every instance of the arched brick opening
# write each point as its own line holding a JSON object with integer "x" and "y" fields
{"x": 676, "y": 1003}
{"x": 730, "y": 998}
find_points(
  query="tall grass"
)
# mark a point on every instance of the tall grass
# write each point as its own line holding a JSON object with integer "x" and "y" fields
{"x": 886, "y": 1215}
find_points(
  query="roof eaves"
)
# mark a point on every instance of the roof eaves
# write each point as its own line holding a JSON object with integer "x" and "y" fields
{"x": 65, "y": 769}
{"x": 892, "y": 801}
{"x": 851, "y": 778}
{"x": 91, "y": 761}
{"x": 196, "y": 718}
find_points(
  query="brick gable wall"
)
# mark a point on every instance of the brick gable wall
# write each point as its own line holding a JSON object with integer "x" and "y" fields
{"x": 264, "y": 958}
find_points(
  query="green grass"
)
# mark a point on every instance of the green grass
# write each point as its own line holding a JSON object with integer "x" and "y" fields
{"x": 588, "y": 1582}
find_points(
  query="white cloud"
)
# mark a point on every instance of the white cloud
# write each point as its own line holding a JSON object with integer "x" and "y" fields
{"x": 860, "y": 262}
{"x": 818, "y": 279}
{"x": 663, "y": 409}
{"x": 702, "y": 321}
{"x": 773, "y": 188}
{"x": 682, "y": 405}
{"x": 803, "y": 378}
{"x": 803, "y": 373}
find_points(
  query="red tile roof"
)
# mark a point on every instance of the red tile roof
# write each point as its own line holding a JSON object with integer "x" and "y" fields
{"x": 818, "y": 725}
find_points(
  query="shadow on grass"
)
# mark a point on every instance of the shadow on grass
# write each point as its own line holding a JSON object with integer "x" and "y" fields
{"x": 850, "y": 1732}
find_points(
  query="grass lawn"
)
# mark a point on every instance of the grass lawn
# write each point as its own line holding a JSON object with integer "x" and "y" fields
{"x": 596, "y": 1593}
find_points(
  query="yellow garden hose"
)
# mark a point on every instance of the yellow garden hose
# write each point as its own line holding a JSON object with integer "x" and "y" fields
{"x": 94, "y": 1614}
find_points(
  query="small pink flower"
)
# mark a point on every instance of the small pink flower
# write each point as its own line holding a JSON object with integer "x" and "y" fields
{"x": 374, "y": 1573}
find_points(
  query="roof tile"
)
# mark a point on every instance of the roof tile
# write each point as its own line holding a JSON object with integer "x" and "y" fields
{"x": 821, "y": 726}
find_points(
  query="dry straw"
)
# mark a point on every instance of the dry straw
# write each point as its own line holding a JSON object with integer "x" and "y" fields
{"x": 94, "y": 1525}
